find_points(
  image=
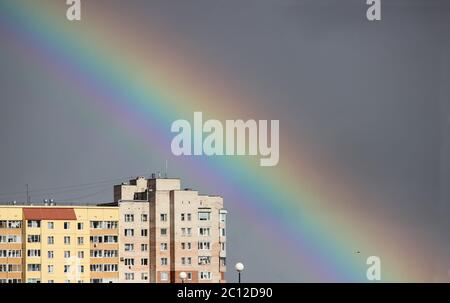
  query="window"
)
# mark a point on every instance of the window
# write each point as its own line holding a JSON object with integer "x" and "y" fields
{"x": 80, "y": 240}
{"x": 186, "y": 261}
{"x": 110, "y": 253}
{"x": 50, "y": 269}
{"x": 204, "y": 260}
{"x": 96, "y": 267}
{"x": 163, "y": 246}
{"x": 33, "y": 280}
{"x": 129, "y": 276}
{"x": 34, "y": 223}
{"x": 222, "y": 246}
{"x": 81, "y": 268}
{"x": 10, "y": 268}
{"x": 66, "y": 240}
{"x": 129, "y": 247}
{"x": 50, "y": 254}
{"x": 10, "y": 239}
{"x": 50, "y": 240}
{"x": 14, "y": 253}
{"x": 34, "y": 238}
{"x": 223, "y": 217}
{"x": 66, "y": 225}
{"x": 96, "y": 253}
{"x": 144, "y": 218}
{"x": 80, "y": 226}
{"x": 186, "y": 231}
{"x": 144, "y": 276}
{"x": 144, "y": 261}
{"x": 129, "y": 232}
{"x": 164, "y": 276}
{"x": 51, "y": 225}
{"x": 183, "y": 216}
{"x": 96, "y": 225}
{"x": 10, "y": 224}
{"x": 144, "y": 232}
{"x": 163, "y": 217}
{"x": 204, "y": 245}
{"x": 186, "y": 245}
{"x": 67, "y": 254}
{"x": 110, "y": 267}
{"x": 66, "y": 268}
{"x": 204, "y": 216}
{"x": 81, "y": 254}
{"x": 51, "y": 281}
{"x": 222, "y": 232}
{"x": 144, "y": 247}
{"x": 223, "y": 261}
{"x": 189, "y": 276}
{"x": 111, "y": 224}
{"x": 129, "y": 218}
{"x": 164, "y": 261}
{"x": 163, "y": 231}
{"x": 189, "y": 217}
{"x": 34, "y": 253}
{"x": 34, "y": 267}
{"x": 14, "y": 224}
{"x": 129, "y": 262}
{"x": 205, "y": 275}
{"x": 204, "y": 231}
{"x": 96, "y": 239}
{"x": 110, "y": 239}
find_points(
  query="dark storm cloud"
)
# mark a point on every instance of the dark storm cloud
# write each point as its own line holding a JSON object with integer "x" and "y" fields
{"x": 375, "y": 98}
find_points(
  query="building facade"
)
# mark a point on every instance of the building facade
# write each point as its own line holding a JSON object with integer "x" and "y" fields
{"x": 166, "y": 230}
{"x": 153, "y": 231}
{"x": 59, "y": 244}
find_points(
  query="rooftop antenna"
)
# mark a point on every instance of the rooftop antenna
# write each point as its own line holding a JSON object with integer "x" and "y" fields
{"x": 28, "y": 195}
{"x": 165, "y": 174}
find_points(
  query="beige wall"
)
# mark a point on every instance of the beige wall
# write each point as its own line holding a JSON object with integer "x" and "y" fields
{"x": 79, "y": 260}
{"x": 10, "y": 213}
{"x": 165, "y": 197}
{"x": 140, "y": 273}
{"x": 189, "y": 202}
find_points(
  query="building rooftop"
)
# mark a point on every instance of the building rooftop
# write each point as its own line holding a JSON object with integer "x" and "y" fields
{"x": 55, "y": 206}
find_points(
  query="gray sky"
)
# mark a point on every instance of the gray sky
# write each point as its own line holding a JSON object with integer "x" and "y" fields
{"x": 375, "y": 98}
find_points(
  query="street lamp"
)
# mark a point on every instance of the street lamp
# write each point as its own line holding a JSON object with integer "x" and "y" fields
{"x": 239, "y": 268}
{"x": 183, "y": 276}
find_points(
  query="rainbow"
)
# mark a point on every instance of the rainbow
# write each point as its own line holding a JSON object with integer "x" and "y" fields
{"x": 144, "y": 81}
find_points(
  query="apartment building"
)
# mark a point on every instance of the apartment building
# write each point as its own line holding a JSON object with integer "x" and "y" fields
{"x": 59, "y": 244}
{"x": 11, "y": 240}
{"x": 153, "y": 231}
{"x": 134, "y": 242}
{"x": 166, "y": 230}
